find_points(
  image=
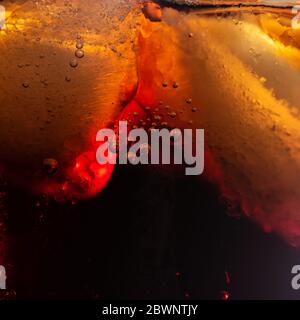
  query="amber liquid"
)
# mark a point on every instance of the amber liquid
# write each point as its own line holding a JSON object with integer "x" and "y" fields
{"x": 234, "y": 71}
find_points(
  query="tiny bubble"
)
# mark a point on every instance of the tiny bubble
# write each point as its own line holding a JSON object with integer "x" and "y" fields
{"x": 175, "y": 85}
{"x": 172, "y": 114}
{"x": 79, "y": 45}
{"x": 79, "y": 54}
{"x": 73, "y": 63}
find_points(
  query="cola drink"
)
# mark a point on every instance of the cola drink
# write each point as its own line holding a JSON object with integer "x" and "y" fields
{"x": 71, "y": 68}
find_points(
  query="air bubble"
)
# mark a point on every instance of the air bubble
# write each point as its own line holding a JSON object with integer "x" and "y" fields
{"x": 173, "y": 114}
{"x": 73, "y": 63}
{"x": 79, "y": 45}
{"x": 79, "y": 54}
{"x": 50, "y": 166}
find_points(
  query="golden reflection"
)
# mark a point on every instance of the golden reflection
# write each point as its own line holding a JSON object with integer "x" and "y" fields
{"x": 244, "y": 84}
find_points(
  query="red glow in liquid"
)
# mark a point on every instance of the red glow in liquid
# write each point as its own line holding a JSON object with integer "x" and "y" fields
{"x": 86, "y": 178}
{"x": 225, "y": 295}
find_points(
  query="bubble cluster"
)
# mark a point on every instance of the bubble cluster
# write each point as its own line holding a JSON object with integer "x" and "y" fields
{"x": 79, "y": 53}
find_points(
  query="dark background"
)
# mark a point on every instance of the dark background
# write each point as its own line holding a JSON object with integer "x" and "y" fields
{"x": 151, "y": 234}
